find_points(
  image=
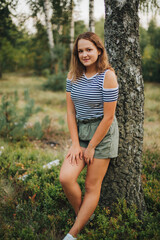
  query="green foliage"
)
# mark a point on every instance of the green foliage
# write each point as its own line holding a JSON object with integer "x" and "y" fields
{"x": 151, "y": 180}
{"x": 30, "y": 206}
{"x": 13, "y": 41}
{"x": 38, "y": 129}
{"x": 144, "y": 39}
{"x": 80, "y": 27}
{"x": 56, "y": 82}
{"x": 38, "y": 51}
{"x": 14, "y": 120}
{"x": 99, "y": 28}
{"x": 8, "y": 33}
{"x": 150, "y": 49}
{"x": 61, "y": 22}
{"x": 23, "y": 51}
{"x": 122, "y": 224}
{"x": 36, "y": 207}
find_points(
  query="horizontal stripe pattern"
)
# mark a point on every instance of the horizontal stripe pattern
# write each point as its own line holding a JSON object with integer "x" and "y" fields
{"x": 88, "y": 95}
{"x": 110, "y": 95}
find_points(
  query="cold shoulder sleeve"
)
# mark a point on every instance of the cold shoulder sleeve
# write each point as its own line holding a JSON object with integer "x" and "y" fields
{"x": 110, "y": 94}
{"x": 68, "y": 85}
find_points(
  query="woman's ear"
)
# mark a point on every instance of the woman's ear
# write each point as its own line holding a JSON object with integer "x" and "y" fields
{"x": 99, "y": 52}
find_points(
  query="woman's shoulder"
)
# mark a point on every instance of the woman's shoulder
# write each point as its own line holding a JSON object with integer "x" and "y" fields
{"x": 110, "y": 79}
{"x": 69, "y": 76}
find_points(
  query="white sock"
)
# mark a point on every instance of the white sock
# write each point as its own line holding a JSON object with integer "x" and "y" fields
{"x": 69, "y": 237}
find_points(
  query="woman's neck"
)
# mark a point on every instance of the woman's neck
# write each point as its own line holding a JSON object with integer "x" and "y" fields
{"x": 90, "y": 71}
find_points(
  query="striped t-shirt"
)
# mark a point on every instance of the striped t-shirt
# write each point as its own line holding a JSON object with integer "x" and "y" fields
{"x": 88, "y": 95}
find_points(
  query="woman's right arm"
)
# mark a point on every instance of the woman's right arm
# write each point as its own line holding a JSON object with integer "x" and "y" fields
{"x": 75, "y": 152}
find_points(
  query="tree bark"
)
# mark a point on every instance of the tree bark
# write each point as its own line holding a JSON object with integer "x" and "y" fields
{"x": 49, "y": 30}
{"x": 91, "y": 16}
{"x": 72, "y": 26}
{"x": 123, "y": 179}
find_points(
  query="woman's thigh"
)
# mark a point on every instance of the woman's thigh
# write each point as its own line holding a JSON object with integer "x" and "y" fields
{"x": 70, "y": 171}
{"x": 96, "y": 171}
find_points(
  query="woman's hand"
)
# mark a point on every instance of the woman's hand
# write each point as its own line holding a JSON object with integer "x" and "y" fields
{"x": 89, "y": 154}
{"x": 75, "y": 154}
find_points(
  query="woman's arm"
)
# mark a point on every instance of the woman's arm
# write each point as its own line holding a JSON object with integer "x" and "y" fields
{"x": 110, "y": 81}
{"x": 75, "y": 152}
{"x": 71, "y": 120}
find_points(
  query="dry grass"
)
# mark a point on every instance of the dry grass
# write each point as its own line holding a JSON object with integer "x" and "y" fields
{"x": 51, "y": 103}
{"x": 54, "y": 105}
{"x": 33, "y": 155}
{"x": 152, "y": 117}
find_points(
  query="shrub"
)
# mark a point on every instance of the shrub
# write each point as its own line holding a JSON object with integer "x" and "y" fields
{"x": 56, "y": 82}
{"x": 36, "y": 208}
{"x": 14, "y": 120}
{"x": 151, "y": 180}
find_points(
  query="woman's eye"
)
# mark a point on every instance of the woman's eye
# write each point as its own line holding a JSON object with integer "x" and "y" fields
{"x": 89, "y": 49}
{"x": 79, "y": 51}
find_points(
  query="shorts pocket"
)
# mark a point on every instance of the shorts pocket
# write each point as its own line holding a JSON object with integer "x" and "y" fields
{"x": 103, "y": 148}
{"x": 87, "y": 130}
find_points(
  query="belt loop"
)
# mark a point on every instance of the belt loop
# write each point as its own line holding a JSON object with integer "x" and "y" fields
{"x": 89, "y": 120}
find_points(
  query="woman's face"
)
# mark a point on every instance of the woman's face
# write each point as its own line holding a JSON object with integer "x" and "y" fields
{"x": 87, "y": 52}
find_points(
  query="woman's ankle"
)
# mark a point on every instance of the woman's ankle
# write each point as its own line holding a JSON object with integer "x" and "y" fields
{"x": 73, "y": 233}
{"x": 69, "y": 237}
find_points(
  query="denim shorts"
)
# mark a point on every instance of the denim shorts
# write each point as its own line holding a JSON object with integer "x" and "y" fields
{"x": 108, "y": 147}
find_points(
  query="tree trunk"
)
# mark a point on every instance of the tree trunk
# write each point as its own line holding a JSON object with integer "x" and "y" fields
{"x": 123, "y": 179}
{"x": 91, "y": 16}
{"x": 72, "y": 26}
{"x": 49, "y": 30}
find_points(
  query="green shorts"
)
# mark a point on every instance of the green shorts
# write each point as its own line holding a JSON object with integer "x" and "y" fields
{"x": 108, "y": 147}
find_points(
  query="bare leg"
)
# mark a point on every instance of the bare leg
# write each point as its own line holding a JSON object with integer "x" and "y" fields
{"x": 95, "y": 175}
{"x": 68, "y": 178}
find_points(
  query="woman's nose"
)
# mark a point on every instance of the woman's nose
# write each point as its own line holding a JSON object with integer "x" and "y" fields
{"x": 84, "y": 54}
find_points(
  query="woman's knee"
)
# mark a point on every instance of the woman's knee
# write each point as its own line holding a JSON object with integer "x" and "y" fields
{"x": 64, "y": 178}
{"x": 92, "y": 186}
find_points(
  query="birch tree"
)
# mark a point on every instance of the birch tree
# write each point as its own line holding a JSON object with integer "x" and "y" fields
{"x": 46, "y": 4}
{"x": 123, "y": 179}
{"x": 72, "y": 26}
{"x": 91, "y": 16}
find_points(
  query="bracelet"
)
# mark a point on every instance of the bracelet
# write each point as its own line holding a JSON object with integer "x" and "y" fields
{"x": 91, "y": 144}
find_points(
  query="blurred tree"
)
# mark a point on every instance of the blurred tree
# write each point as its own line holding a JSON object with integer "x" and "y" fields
{"x": 60, "y": 21}
{"x": 8, "y": 35}
{"x": 151, "y": 52}
{"x": 146, "y": 5}
{"x": 46, "y": 7}
{"x": 80, "y": 27}
{"x": 144, "y": 38}
{"x": 72, "y": 25}
{"x": 154, "y": 34}
{"x": 38, "y": 50}
{"x": 91, "y": 16}
{"x": 99, "y": 28}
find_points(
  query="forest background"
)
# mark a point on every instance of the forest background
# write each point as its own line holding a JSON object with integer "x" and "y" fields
{"x": 23, "y": 51}
{"x": 33, "y": 130}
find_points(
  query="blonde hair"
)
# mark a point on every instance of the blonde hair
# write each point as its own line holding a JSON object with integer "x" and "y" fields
{"x": 77, "y": 68}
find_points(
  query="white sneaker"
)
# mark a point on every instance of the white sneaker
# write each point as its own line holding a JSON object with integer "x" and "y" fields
{"x": 69, "y": 237}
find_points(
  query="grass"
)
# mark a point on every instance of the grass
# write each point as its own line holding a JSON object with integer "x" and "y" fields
{"x": 30, "y": 209}
{"x": 152, "y": 117}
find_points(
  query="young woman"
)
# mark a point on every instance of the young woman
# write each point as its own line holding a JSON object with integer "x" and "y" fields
{"x": 92, "y": 93}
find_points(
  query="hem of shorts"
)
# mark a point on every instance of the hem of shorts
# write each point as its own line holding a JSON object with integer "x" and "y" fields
{"x": 106, "y": 157}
